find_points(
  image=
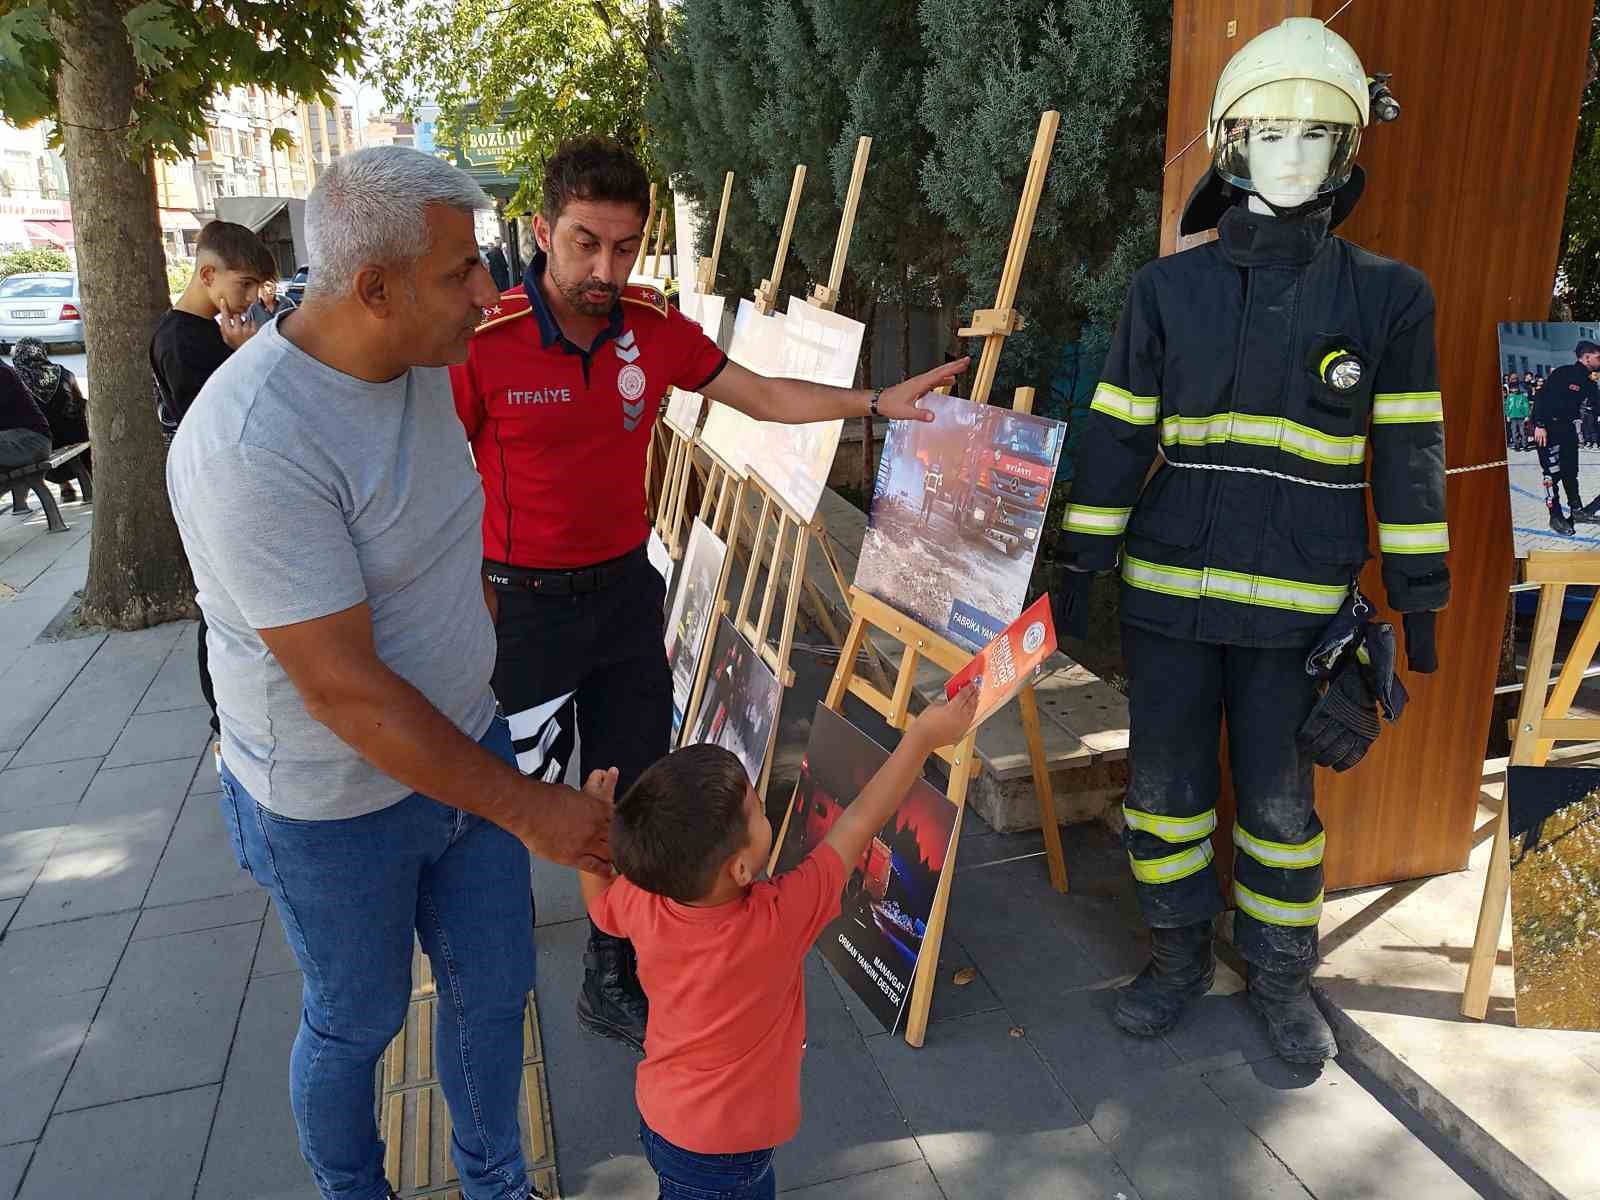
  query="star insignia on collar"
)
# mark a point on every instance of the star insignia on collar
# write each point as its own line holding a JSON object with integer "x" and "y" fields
{"x": 492, "y": 312}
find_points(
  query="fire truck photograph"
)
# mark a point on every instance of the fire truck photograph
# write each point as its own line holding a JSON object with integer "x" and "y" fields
{"x": 741, "y": 699}
{"x": 888, "y": 894}
{"x": 957, "y": 514}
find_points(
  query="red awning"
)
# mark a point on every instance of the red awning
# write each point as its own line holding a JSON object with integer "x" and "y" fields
{"x": 56, "y": 233}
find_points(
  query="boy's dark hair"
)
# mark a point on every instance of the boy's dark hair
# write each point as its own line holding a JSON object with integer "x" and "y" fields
{"x": 679, "y": 822}
{"x": 238, "y": 247}
{"x": 594, "y": 168}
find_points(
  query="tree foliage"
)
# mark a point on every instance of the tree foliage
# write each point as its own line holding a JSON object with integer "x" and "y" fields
{"x": 1578, "y": 277}
{"x": 550, "y": 68}
{"x": 185, "y": 52}
{"x": 35, "y": 258}
{"x": 951, "y": 93}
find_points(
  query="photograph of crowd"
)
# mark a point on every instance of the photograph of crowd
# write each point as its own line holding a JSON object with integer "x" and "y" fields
{"x": 957, "y": 513}
{"x": 739, "y": 707}
{"x": 1554, "y": 815}
{"x": 690, "y": 616}
{"x": 874, "y": 941}
{"x": 1550, "y": 401}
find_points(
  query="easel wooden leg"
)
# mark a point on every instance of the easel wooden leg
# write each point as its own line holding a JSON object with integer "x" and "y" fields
{"x": 933, "y": 937}
{"x": 1526, "y": 750}
{"x": 1028, "y": 707}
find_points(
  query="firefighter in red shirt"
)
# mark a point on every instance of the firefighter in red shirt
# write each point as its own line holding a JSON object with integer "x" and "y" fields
{"x": 558, "y": 395}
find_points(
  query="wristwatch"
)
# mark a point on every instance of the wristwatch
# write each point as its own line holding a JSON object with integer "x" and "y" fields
{"x": 872, "y": 403}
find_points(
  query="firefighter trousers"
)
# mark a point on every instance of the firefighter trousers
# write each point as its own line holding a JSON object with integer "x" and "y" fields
{"x": 1558, "y": 458}
{"x": 1179, "y": 691}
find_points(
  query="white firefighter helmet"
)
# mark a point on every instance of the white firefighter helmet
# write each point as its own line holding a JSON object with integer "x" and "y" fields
{"x": 1297, "y": 80}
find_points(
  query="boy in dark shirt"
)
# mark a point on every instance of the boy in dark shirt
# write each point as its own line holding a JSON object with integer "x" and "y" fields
{"x": 207, "y": 324}
{"x": 191, "y": 342}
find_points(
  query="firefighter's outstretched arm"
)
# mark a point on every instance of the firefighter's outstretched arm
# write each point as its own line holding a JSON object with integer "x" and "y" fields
{"x": 1120, "y": 436}
{"x": 1408, "y": 474}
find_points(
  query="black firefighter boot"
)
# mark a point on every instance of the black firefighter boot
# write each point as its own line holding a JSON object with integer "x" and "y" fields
{"x": 611, "y": 1003}
{"x": 1295, "y": 1025}
{"x": 1181, "y": 968}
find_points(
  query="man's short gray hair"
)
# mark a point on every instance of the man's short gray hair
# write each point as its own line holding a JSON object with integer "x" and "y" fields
{"x": 369, "y": 207}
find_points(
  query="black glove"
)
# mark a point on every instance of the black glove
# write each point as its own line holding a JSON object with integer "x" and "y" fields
{"x": 1421, "y": 657}
{"x": 1069, "y": 603}
{"x": 1344, "y": 723}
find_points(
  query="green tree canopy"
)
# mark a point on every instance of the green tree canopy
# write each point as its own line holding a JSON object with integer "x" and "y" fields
{"x": 1578, "y": 276}
{"x": 551, "y": 69}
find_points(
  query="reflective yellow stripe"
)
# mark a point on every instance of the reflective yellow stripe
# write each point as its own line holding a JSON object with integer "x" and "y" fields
{"x": 1086, "y": 518}
{"x": 1280, "y": 854}
{"x": 1275, "y": 433}
{"x": 1172, "y": 829}
{"x": 1429, "y": 538}
{"x": 1174, "y": 866}
{"x": 1277, "y": 912}
{"x": 1407, "y": 408}
{"x": 1264, "y": 591}
{"x": 1125, "y": 406}
{"x": 1322, "y": 367}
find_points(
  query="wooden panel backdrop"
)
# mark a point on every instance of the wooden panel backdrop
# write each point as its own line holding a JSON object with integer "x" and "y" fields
{"x": 1469, "y": 186}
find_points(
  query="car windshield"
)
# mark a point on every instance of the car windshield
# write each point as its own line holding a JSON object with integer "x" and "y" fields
{"x": 20, "y": 287}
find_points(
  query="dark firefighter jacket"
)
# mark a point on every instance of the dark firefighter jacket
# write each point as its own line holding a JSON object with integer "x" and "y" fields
{"x": 1560, "y": 401}
{"x": 1278, "y": 348}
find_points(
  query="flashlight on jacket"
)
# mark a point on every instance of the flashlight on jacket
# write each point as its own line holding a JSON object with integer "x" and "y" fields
{"x": 1340, "y": 369}
{"x": 1385, "y": 107}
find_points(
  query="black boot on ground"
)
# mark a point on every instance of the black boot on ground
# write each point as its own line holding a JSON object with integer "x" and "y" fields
{"x": 1182, "y": 967}
{"x": 1560, "y": 524}
{"x": 611, "y": 1003}
{"x": 1295, "y": 1025}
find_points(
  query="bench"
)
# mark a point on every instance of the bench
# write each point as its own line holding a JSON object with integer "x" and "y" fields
{"x": 21, "y": 479}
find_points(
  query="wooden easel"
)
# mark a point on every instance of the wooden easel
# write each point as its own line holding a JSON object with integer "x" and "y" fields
{"x": 766, "y": 297}
{"x": 918, "y": 642}
{"x": 721, "y": 507}
{"x": 661, "y": 238}
{"x": 706, "y": 269}
{"x": 671, "y": 505}
{"x": 1540, "y": 724}
{"x": 644, "y": 242}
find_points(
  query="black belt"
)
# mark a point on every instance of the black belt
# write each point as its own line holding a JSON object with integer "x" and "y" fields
{"x": 574, "y": 582}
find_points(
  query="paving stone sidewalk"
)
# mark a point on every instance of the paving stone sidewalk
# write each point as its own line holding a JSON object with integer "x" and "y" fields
{"x": 149, "y": 998}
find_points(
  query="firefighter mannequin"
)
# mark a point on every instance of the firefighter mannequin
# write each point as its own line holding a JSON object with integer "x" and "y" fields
{"x": 1256, "y": 369}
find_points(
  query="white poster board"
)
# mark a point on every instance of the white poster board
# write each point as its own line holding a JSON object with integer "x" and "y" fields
{"x": 757, "y": 346}
{"x": 794, "y": 460}
{"x": 684, "y": 408}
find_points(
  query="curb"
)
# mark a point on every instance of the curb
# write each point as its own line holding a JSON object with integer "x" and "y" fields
{"x": 1482, "y": 1148}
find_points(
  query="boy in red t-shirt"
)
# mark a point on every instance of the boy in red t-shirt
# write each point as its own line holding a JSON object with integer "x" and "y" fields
{"x": 721, "y": 955}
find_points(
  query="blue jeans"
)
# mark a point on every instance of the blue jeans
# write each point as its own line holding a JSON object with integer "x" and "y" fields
{"x": 350, "y": 893}
{"x": 685, "y": 1175}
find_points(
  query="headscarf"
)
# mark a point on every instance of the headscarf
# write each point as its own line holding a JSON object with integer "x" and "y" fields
{"x": 39, "y": 375}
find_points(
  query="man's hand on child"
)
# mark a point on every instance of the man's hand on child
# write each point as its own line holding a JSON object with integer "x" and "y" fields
{"x": 947, "y": 721}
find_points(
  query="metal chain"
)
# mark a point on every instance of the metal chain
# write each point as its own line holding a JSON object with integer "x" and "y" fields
{"x": 1478, "y": 467}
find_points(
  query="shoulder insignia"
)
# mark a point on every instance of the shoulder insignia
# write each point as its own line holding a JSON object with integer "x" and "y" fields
{"x": 639, "y": 293}
{"x": 510, "y": 306}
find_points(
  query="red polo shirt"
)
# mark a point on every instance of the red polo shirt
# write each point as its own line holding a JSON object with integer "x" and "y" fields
{"x": 560, "y": 432}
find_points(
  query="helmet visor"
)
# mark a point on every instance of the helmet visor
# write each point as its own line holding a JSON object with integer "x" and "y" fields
{"x": 1286, "y": 161}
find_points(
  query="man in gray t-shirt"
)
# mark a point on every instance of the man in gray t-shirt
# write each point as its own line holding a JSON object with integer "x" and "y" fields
{"x": 331, "y": 512}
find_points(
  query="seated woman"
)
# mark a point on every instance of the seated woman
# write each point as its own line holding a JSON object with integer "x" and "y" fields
{"x": 55, "y": 390}
{"x": 24, "y": 432}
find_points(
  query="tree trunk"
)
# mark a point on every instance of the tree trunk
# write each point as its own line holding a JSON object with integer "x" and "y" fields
{"x": 138, "y": 575}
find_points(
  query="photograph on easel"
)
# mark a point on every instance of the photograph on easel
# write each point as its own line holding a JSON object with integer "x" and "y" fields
{"x": 740, "y": 705}
{"x": 691, "y": 614}
{"x": 1550, "y": 401}
{"x": 876, "y": 939}
{"x": 957, "y": 512}
{"x": 1554, "y": 827}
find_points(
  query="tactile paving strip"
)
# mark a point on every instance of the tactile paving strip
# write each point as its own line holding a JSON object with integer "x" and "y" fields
{"x": 414, "y": 1120}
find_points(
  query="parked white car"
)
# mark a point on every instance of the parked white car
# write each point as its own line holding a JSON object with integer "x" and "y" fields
{"x": 45, "y": 305}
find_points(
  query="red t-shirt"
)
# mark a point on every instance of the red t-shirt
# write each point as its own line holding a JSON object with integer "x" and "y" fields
{"x": 721, "y": 1069}
{"x": 560, "y": 433}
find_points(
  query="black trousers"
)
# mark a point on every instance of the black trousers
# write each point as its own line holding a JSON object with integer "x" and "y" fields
{"x": 1178, "y": 694}
{"x": 206, "y": 688}
{"x": 595, "y": 663}
{"x": 1559, "y": 460}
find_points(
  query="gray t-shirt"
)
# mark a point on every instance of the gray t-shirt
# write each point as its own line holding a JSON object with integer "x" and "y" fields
{"x": 301, "y": 491}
